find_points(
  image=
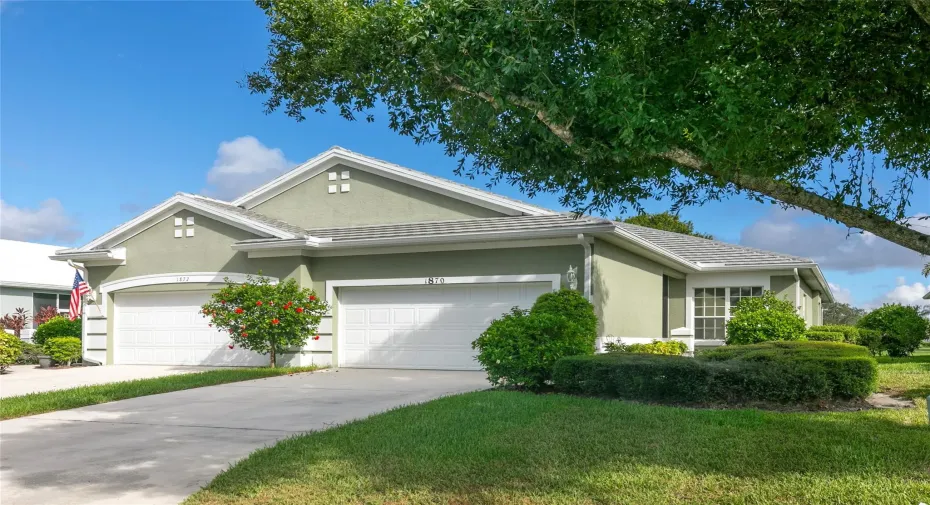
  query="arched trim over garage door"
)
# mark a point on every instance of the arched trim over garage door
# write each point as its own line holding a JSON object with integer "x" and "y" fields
{"x": 174, "y": 278}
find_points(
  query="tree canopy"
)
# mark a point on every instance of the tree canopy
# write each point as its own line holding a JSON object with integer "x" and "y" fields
{"x": 666, "y": 221}
{"x": 610, "y": 103}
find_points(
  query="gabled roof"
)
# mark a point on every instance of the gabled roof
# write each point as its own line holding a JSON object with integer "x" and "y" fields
{"x": 221, "y": 211}
{"x": 709, "y": 253}
{"x": 339, "y": 156}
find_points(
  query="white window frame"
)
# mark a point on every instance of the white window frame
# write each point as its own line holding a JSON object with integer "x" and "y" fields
{"x": 723, "y": 280}
{"x": 727, "y": 307}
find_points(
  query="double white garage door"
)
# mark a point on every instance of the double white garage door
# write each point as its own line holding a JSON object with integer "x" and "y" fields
{"x": 390, "y": 327}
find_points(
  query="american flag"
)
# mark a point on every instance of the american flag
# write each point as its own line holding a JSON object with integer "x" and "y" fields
{"x": 78, "y": 289}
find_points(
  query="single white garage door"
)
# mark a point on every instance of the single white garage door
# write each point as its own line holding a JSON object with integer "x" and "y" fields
{"x": 424, "y": 326}
{"x": 168, "y": 328}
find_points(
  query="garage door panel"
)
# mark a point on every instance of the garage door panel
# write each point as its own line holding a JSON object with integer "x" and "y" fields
{"x": 424, "y": 326}
{"x": 169, "y": 329}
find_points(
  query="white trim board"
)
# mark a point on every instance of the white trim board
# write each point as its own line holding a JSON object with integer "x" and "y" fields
{"x": 339, "y": 156}
{"x": 176, "y": 278}
{"x": 555, "y": 279}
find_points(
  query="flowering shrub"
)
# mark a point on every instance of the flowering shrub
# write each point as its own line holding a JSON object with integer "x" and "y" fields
{"x": 669, "y": 347}
{"x": 264, "y": 317}
{"x": 763, "y": 319}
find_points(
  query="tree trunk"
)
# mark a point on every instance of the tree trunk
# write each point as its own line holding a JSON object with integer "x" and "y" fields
{"x": 272, "y": 356}
{"x": 850, "y": 215}
{"x": 922, "y": 7}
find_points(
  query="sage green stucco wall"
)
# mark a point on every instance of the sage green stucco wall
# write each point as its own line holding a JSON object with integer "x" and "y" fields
{"x": 627, "y": 292}
{"x": 11, "y": 298}
{"x": 156, "y": 251}
{"x": 523, "y": 261}
{"x": 809, "y": 305}
{"x": 784, "y": 287}
{"x": 676, "y": 304}
{"x": 371, "y": 199}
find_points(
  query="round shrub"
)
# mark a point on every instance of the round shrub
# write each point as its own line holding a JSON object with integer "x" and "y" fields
{"x": 902, "y": 328}
{"x": 10, "y": 349}
{"x": 871, "y": 339}
{"x": 824, "y": 336}
{"x": 521, "y": 348}
{"x": 764, "y": 319}
{"x": 57, "y": 327}
{"x": 63, "y": 349}
{"x": 570, "y": 304}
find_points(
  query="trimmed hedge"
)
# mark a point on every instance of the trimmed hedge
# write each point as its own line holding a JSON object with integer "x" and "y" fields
{"x": 64, "y": 349}
{"x": 56, "y": 327}
{"x": 824, "y": 336}
{"x": 11, "y": 348}
{"x": 850, "y": 333}
{"x": 774, "y": 372}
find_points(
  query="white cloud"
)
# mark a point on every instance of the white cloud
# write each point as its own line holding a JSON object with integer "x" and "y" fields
{"x": 903, "y": 293}
{"x": 242, "y": 165}
{"x": 841, "y": 294}
{"x": 832, "y": 246}
{"x": 47, "y": 222}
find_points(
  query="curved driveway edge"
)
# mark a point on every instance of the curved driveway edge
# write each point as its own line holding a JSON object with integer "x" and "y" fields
{"x": 159, "y": 449}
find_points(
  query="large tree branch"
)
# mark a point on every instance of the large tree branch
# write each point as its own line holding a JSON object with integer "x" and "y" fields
{"x": 561, "y": 131}
{"x": 923, "y": 9}
{"x": 850, "y": 215}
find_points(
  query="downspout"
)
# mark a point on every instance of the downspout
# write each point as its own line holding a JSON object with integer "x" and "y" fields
{"x": 84, "y": 357}
{"x": 587, "y": 266}
{"x": 797, "y": 292}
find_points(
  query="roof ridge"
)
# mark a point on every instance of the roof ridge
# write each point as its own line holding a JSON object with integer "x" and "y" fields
{"x": 448, "y": 221}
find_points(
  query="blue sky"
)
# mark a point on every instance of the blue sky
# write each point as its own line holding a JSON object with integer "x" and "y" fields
{"x": 107, "y": 108}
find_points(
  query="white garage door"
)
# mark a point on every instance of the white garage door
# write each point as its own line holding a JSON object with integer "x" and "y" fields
{"x": 168, "y": 328}
{"x": 424, "y": 326}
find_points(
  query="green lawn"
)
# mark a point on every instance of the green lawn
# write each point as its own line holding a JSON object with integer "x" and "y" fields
{"x": 38, "y": 403}
{"x": 499, "y": 447}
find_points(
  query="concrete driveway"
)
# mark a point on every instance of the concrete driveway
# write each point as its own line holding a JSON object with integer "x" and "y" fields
{"x": 159, "y": 449}
{"x": 24, "y": 379}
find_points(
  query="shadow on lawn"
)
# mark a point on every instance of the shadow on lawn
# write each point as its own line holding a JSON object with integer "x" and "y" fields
{"x": 513, "y": 442}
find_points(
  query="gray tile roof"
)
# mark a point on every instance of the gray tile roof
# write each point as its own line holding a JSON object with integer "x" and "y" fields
{"x": 551, "y": 224}
{"x": 701, "y": 250}
{"x": 254, "y": 216}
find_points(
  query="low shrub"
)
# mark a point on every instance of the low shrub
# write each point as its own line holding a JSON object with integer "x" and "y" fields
{"x": 520, "y": 348}
{"x": 570, "y": 304}
{"x": 57, "y": 327}
{"x": 902, "y": 328}
{"x": 872, "y": 340}
{"x": 824, "y": 336}
{"x": 11, "y": 349}
{"x": 30, "y": 355}
{"x": 763, "y": 319}
{"x": 850, "y": 333}
{"x": 668, "y": 347}
{"x": 63, "y": 349}
{"x": 774, "y": 372}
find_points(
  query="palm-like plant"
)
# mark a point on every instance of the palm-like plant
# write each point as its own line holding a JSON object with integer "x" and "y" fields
{"x": 16, "y": 321}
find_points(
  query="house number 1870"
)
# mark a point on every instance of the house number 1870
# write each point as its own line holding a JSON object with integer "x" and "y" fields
{"x": 435, "y": 280}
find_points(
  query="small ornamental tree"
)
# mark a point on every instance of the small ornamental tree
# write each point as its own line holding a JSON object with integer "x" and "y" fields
{"x": 16, "y": 321}
{"x": 44, "y": 315}
{"x": 763, "y": 319}
{"x": 264, "y": 317}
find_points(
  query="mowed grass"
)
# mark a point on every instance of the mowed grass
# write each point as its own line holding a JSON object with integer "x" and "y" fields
{"x": 38, "y": 403}
{"x": 499, "y": 447}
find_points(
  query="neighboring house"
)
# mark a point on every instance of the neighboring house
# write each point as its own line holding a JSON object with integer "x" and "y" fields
{"x": 31, "y": 280}
{"x": 415, "y": 267}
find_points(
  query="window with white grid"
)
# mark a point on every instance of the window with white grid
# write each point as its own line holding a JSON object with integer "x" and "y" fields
{"x": 713, "y": 307}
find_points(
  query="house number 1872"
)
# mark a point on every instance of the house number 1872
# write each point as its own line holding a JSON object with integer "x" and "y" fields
{"x": 184, "y": 279}
{"x": 435, "y": 280}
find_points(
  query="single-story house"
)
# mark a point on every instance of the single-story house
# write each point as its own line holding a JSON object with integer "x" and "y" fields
{"x": 29, "y": 279}
{"x": 413, "y": 265}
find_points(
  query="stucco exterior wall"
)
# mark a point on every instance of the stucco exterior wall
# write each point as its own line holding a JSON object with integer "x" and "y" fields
{"x": 371, "y": 199}
{"x": 627, "y": 293}
{"x": 12, "y": 298}
{"x": 784, "y": 287}
{"x": 808, "y": 314}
